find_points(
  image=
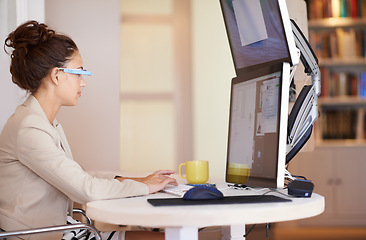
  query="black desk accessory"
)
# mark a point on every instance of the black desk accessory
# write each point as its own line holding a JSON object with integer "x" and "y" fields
{"x": 300, "y": 188}
{"x": 225, "y": 200}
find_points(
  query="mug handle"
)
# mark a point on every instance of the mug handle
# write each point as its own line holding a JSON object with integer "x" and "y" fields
{"x": 180, "y": 170}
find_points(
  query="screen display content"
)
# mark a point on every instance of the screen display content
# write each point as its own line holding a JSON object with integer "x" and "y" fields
{"x": 256, "y": 33}
{"x": 254, "y": 130}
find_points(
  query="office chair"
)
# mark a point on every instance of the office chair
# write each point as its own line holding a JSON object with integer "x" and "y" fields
{"x": 67, "y": 227}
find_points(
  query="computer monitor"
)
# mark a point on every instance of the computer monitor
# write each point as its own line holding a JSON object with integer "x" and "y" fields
{"x": 263, "y": 51}
{"x": 259, "y": 33}
{"x": 258, "y": 128}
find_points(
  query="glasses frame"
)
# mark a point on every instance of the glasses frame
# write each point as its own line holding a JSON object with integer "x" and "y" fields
{"x": 76, "y": 71}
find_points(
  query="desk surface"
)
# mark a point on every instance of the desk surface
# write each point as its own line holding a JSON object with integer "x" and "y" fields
{"x": 137, "y": 211}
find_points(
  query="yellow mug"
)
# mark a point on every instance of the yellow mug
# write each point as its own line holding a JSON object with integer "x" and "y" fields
{"x": 196, "y": 171}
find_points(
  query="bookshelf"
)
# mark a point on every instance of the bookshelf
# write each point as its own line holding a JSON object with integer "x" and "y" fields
{"x": 337, "y": 162}
{"x": 337, "y": 33}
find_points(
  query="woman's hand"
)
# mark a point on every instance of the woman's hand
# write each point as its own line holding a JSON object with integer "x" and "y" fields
{"x": 156, "y": 181}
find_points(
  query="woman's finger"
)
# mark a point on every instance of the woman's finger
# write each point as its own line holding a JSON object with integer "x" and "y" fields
{"x": 164, "y": 172}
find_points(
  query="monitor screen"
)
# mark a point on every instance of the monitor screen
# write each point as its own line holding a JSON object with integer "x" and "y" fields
{"x": 259, "y": 33}
{"x": 257, "y": 128}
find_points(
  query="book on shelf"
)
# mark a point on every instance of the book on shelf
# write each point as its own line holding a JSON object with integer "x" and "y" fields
{"x": 336, "y": 8}
{"x": 339, "y": 123}
{"x": 344, "y": 44}
{"x": 334, "y": 84}
{"x": 363, "y": 84}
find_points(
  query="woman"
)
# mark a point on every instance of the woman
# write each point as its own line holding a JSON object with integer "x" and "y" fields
{"x": 37, "y": 171}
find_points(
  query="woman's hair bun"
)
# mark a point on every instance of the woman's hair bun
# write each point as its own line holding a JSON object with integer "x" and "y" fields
{"x": 29, "y": 34}
{"x": 36, "y": 50}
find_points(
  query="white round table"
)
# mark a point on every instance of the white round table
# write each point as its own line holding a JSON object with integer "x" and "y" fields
{"x": 182, "y": 222}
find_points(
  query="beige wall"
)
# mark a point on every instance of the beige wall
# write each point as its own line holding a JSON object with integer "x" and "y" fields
{"x": 150, "y": 84}
{"x": 213, "y": 70}
{"x": 92, "y": 127}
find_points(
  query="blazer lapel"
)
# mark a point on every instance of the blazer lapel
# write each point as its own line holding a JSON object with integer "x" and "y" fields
{"x": 63, "y": 141}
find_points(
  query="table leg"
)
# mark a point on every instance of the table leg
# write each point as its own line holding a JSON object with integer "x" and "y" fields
{"x": 233, "y": 232}
{"x": 181, "y": 233}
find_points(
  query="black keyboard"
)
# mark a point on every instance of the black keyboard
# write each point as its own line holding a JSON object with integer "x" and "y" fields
{"x": 226, "y": 200}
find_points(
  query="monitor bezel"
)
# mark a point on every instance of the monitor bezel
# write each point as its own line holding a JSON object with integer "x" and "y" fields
{"x": 293, "y": 52}
{"x": 278, "y": 181}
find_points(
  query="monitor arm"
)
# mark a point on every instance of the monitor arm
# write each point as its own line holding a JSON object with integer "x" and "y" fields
{"x": 305, "y": 110}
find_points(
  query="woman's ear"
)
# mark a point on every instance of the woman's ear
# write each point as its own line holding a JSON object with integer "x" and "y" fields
{"x": 55, "y": 72}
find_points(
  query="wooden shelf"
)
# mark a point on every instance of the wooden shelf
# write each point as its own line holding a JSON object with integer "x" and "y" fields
{"x": 341, "y": 143}
{"x": 356, "y": 64}
{"x": 333, "y": 23}
{"x": 343, "y": 101}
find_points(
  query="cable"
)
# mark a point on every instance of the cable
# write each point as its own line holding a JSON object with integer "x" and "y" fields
{"x": 238, "y": 186}
{"x": 297, "y": 176}
{"x": 288, "y": 175}
{"x": 245, "y": 187}
{"x": 246, "y": 234}
{"x": 293, "y": 177}
{"x": 204, "y": 229}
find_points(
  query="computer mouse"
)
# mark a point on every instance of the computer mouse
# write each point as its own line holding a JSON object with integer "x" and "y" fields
{"x": 203, "y": 193}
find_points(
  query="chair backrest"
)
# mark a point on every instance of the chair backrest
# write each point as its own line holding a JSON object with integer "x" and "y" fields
{"x": 4, "y": 235}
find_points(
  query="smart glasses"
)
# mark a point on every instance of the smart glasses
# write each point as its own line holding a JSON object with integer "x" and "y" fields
{"x": 76, "y": 71}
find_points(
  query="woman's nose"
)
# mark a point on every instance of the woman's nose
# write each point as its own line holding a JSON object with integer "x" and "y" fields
{"x": 82, "y": 83}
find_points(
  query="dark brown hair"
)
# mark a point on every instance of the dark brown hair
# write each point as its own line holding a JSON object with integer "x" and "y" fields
{"x": 37, "y": 50}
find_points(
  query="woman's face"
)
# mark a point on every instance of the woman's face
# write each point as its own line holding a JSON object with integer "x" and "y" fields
{"x": 70, "y": 85}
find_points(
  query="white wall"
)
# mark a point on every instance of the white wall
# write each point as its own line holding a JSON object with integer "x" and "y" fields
{"x": 13, "y": 13}
{"x": 8, "y": 90}
{"x": 92, "y": 127}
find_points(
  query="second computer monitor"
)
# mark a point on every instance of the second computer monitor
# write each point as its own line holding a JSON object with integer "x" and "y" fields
{"x": 258, "y": 128}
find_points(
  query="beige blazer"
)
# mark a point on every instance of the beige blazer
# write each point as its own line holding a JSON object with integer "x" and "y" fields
{"x": 38, "y": 175}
